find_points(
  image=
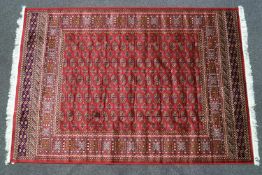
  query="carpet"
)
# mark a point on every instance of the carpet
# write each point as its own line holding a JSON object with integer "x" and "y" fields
{"x": 131, "y": 86}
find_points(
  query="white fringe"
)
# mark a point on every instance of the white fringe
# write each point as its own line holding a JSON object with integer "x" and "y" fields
{"x": 250, "y": 90}
{"x": 12, "y": 91}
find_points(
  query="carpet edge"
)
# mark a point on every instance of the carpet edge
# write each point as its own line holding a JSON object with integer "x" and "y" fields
{"x": 249, "y": 84}
{"x": 13, "y": 83}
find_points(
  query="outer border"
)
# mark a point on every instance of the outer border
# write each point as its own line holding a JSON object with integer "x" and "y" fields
{"x": 16, "y": 68}
{"x": 131, "y": 7}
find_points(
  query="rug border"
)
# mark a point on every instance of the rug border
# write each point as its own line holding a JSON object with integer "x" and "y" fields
{"x": 131, "y": 7}
{"x": 12, "y": 160}
{"x": 130, "y": 163}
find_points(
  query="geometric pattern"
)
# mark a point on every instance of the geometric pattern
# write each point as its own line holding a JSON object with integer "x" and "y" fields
{"x": 143, "y": 85}
{"x": 110, "y": 84}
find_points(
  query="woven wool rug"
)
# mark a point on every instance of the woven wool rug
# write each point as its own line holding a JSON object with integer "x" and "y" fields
{"x": 131, "y": 85}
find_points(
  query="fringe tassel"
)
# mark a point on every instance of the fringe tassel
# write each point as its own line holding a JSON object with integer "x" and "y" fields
{"x": 12, "y": 91}
{"x": 250, "y": 90}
